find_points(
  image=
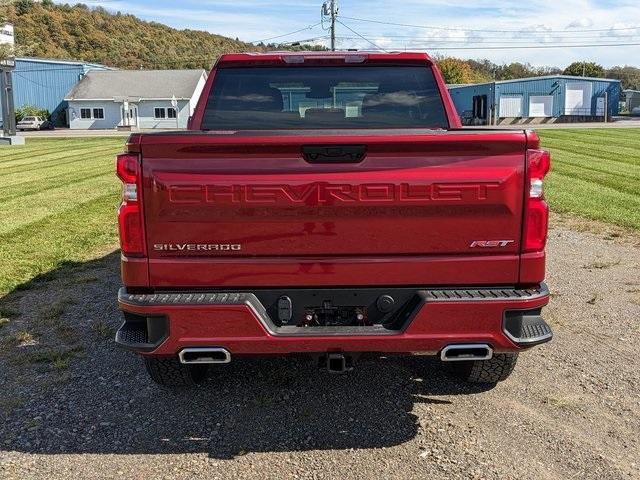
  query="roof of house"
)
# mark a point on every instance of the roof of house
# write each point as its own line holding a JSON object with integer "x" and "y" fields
{"x": 136, "y": 84}
{"x": 531, "y": 79}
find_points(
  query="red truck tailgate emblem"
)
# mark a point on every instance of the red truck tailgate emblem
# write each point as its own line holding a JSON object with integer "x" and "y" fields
{"x": 330, "y": 193}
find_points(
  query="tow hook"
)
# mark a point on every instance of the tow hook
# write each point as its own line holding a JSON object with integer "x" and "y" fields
{"x": 336, "y": 362}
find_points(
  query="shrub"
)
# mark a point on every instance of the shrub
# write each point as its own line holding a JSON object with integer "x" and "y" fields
{"x": 31, "y": 111}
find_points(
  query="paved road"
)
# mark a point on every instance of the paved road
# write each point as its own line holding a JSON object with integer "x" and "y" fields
{"x": 66, "y": 132}
{"x": 571, "y": 409}
{"x": 626, "y": 123}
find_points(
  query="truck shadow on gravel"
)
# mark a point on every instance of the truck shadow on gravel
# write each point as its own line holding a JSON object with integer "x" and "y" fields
{"x": 71, "y": 390}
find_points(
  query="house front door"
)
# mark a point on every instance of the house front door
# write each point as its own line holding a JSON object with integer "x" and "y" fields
{"x": 129, "y": 115}
{"x": 133, "y": 115}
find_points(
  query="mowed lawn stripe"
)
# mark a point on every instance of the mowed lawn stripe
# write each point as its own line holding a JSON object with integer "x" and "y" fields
{"x": 622, "y": 156}
{"x": 595, "y": 173}
{"x": 25, "y": 156}
{"x": 625, "y": 172}
{"x": 73, "y": 235}
{"x": 40, "y": 177}
{"x": 42, "y": 164}
{"x": 26, "y": 189}
{"x": 591, "y": 200}
{"x": 595, "y": 163}
{"x": 19, "y": 212}
{"x": 60, "y": 206}
{"x": 601, "y": 135}
{"x": 620, "y": 183}
{"x": 580, "y": 160}
{"x": 21, "y": 153}
{"x": 595, "y": 139}
{"x": 17, "y": 153}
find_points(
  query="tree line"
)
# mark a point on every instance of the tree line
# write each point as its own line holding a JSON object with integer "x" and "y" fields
{"x": 459, "y": 71}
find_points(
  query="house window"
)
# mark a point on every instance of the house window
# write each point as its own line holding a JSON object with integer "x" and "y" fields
{"x": 171, "y": 113}
{"x": 98, "y": 113}
{"x": 85, "y": 113}
{"x": 159, "y": 113}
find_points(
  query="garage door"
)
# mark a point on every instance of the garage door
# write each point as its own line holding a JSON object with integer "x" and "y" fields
{"x": 541, "y": 106}
{"x": 577, "y": 100}
{"x": 510, "y": 106}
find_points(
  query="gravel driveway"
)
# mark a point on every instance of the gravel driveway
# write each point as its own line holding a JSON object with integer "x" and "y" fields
{"x": 72, "y": 405}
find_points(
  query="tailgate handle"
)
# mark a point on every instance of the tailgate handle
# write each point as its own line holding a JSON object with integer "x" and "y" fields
{"x": 334, "y": 153}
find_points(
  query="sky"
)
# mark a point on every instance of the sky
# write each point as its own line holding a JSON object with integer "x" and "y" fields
{"x": 435, "y": 26}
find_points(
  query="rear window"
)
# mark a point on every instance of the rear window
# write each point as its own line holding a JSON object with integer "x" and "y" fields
{"x": 268, "y": 98}
{"x": 29, "y": 119}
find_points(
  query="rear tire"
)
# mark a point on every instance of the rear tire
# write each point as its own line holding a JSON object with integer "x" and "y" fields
{"x": 494, "y": 370}
{"x": 169, "y": 372}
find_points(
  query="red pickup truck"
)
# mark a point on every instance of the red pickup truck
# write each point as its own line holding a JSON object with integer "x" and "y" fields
{"x": 331, "y": 204}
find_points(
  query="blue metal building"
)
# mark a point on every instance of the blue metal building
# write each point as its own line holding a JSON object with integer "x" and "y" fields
{"x": 554, "y": 98}
{"x": 43, "y": 83}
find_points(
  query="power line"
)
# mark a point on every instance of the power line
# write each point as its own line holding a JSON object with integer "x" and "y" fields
{"x": 518, "y": 47}
{"x": 480, "y": 41}
{"x": 361, "y": 36}
{"x": 528, "y": 38}
{"x": 305, "y": 40}
{"x": 428, "y": 27}
{"x": 308, "y": 27}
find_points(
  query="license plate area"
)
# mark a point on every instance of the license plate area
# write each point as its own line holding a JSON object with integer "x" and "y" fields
{"x": 329, "y": 315}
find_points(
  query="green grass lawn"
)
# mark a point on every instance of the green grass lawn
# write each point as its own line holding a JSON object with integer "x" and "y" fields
{"x": 59, "y": 196}
{"x": 57, "y": 204}
{"x": 595, "y": 173}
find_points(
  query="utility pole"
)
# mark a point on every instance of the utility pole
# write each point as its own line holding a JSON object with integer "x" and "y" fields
{"x": 6, "y": 87}
{"x": 6, "y": 100}
{"x": 330, "y": 8}
{"x": 334, "y": 13}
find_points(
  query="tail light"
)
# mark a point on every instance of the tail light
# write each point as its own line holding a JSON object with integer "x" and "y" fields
{"x": 536, "y": 217}
{"x": 130, "y": 221}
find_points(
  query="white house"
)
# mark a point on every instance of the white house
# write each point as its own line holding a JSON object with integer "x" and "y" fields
{"x": 134, "y": 98}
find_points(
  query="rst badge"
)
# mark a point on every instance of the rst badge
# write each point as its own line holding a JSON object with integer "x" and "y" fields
{"x": 490, "y": 243}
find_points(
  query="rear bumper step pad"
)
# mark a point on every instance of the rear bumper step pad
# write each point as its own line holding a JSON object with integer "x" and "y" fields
{"x": 239, "y": 298}
{"x": 526, "y": 328}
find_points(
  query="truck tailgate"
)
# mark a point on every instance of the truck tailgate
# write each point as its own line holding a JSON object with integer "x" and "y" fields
{"x": 219, "y": 207}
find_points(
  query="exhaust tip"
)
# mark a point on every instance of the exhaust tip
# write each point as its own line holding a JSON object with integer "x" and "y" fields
{"x": 204, "y": 355}
{"x": 466, "y": 352}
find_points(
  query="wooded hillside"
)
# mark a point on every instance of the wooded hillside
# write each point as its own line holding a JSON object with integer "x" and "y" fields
{"x": 119, "y": 40}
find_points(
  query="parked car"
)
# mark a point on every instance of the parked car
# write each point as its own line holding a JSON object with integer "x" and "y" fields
{"x": 30, "y": 123}
{"x": 330, "y": 204}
